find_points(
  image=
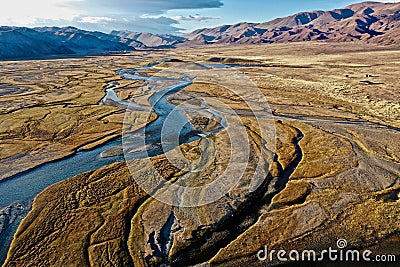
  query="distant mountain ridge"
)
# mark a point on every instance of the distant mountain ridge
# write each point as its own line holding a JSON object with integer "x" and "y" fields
{"x": 367, "y": 21}
{"x": 78, "y": 36}
{"x": 44, "y": 42}
{"x": 26, "y": 43}
{"x": 151, "y": 40}
{"x": 373, "y": 22}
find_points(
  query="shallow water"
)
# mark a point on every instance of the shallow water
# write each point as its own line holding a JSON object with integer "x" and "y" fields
{"x": 21, "y": 189}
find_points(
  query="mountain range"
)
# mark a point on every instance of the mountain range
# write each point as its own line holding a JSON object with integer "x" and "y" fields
{"x": 373, "y": 22}
{"x": 367, "y": 21}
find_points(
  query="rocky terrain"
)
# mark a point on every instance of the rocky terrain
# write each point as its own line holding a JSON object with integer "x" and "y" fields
{"x": 368, "y": 21}
{"x": 330, "y": 171}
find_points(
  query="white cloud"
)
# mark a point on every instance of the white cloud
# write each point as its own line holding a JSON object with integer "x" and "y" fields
{"x": 29, "y": 12}
{"x": 194, "y": 18}
{"x": 95, "y": 20}
{"x": 151, "y": 6}
{"x": 103, "y": 15}
{"x": 144, "y": 23}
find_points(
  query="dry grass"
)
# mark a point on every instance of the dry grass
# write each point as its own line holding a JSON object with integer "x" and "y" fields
{"x": 341, "y": 188}
{"x": 49, "y": 109}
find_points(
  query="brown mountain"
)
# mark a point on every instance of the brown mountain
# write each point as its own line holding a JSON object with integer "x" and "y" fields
{"x": 151, "y": 40}
{"x": 368, "y": 21}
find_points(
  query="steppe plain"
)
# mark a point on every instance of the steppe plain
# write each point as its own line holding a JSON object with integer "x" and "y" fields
{"x": 335, "y": 171}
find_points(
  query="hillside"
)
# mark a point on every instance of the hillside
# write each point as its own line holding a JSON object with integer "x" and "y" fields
{"x": 368, "y": 21}
{"x": 44, "y": 42}
{"x": 151, "y": 40}
{"x": 25, "y": 43}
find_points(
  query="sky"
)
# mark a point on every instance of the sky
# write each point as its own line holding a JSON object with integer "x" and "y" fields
{"x": 155, "y": 16}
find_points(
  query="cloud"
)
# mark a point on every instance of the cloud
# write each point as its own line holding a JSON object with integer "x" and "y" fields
{"x": 160, "y": 24}
{"x": 140, "y": 15}
{"x": 95, "y": 20}
{"x": 23, "y": 13}
{"x": 150, "y": 6}
{"x": 104, "y": 15}
{"x": 194, "y": 18}
{"x": 34, "y": 12}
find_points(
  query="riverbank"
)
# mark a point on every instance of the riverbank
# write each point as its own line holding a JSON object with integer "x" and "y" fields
{"x": 331, "y": 173}
{"x": 50, "y": 109}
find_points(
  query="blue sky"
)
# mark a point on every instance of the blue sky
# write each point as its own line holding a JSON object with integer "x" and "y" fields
{"x": 156, "y": 16}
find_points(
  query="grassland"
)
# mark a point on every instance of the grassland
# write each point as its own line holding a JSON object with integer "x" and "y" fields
{"x": 336, "y": 110}
{"x": 50, "y": 109}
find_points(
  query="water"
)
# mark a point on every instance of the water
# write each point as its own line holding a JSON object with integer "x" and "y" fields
{"x": 21, "y": 189}
{"x": 26, "y": 186}
{"x": 232, "y": 65}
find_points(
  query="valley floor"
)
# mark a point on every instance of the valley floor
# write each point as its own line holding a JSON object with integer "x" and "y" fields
{"x": 329, "y": 162}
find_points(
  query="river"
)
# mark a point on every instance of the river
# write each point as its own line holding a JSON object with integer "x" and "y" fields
{"x": 18, "y": 192}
